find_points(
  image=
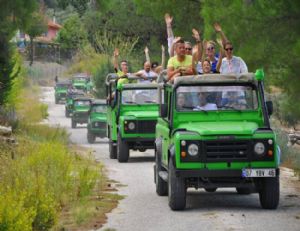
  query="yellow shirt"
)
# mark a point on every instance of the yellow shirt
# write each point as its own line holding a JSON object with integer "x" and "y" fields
{"x": 122, "y": 78}
{"x": 173, "y": 62}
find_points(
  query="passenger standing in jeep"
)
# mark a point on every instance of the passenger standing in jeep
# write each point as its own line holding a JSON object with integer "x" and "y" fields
{"x": 181, "y": 64}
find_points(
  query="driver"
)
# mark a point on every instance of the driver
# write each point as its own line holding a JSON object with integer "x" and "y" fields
{"x": 203, "y": 104}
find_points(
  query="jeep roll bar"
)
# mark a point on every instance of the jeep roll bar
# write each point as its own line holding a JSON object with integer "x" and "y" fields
{"x": 113, "y": 77}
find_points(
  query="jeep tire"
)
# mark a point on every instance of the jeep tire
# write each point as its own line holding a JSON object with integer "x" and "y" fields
{"x": 73, "y": 123}
{"x": 122, "y": 150}
{"x": 91, "y": 137}
{"x": 161, "y": 185}
{"x": 269, "y": 192}
{"x": 176, "y": 189}
{"x": 67, "y": 113}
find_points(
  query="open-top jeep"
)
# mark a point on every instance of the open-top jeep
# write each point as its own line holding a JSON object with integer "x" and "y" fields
{"x": 131, "y": 116}
{"x": 97, "y": 120}
{"x": 81, "y": 108}
{"x": 80, "y": 81}
{"x": 214, "y": 132}
{"x": 71, "y": 94}
{"x": 61, "y": 89}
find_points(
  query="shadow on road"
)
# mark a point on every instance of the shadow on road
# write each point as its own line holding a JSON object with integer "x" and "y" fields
{"x": 199, "y": 200}
{"x": 139, "y": 159}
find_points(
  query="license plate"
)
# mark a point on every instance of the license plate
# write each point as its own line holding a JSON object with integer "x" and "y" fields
{"x": 259, "y": 172}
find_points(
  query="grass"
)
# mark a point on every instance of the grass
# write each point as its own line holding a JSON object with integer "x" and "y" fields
{"x": 45, "y": 183}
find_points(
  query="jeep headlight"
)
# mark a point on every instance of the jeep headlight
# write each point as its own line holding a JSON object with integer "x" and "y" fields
{"x": 193, "y": 149}
{"x": 131, "y": 125}
{"x": 259, "y": 148}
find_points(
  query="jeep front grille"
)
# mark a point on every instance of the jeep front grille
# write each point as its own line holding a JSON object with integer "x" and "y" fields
{"x": 146, "y": 126}
{"x": 141, "y": 126}
{"x": 226, "y": 150}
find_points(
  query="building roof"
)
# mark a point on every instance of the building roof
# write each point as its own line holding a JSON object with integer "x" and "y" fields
{"x": 54, "y": 25}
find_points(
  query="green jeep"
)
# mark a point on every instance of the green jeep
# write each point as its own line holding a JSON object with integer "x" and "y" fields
{"x": 80, "y": 81}
{"x": 214, "y": 132}
{"x": 97, "y": 121}
{"x": 61, "y": 89}
{"x": 71, "y": 94}
{"x": 81, "y": 108}
{"x": 131, "y": 117}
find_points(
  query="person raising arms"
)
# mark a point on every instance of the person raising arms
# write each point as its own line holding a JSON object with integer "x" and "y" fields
{"x": 181, "y": 64}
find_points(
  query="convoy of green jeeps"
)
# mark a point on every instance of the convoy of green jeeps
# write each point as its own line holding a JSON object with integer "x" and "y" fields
{"x": 209, "y": 131}
{"x": 131, "y": 116}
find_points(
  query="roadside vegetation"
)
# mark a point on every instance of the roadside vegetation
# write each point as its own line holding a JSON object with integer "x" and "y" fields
{"x": 45, "y": 182}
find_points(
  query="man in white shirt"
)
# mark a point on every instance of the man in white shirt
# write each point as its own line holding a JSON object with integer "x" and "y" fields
{"x": 232, "y": 64}
{"x": 146, "y": 75}
{"x": 203, "y": 104}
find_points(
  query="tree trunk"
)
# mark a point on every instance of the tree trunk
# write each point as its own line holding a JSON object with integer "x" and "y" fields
{"x": 31, "y": 51}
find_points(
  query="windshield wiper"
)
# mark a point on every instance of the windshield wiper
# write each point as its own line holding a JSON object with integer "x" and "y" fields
{"x": 149, "y": 101}
{"x": 199, "y": 109}
{"x": 230, "y": 107}
{"x": 130, "y": 102}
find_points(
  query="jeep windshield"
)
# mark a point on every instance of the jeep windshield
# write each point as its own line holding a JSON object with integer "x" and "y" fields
{"x": 99, "y": 108}
{"x": 216, "y": 98}
{"x": 139, "y": 96}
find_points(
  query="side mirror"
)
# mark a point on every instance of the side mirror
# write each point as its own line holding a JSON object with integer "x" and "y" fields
{"x": 163, "y": 111}
{"x": 269, "y": 105}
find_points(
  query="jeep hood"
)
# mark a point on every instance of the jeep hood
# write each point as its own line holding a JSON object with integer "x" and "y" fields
{"x": 221, "y": 128}
{"x": 100, "y": 117}
{"x": 141, "y": 114}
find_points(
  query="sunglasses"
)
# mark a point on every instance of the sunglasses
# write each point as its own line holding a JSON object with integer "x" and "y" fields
{"x": 188, "y": 49}
{"x": 210, "y": 48}
{"x": 229, "y": 49}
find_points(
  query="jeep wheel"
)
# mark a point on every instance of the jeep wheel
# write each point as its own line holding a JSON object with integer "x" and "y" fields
{"x": 176, "y": 189}
{"x": 211, "y": 190}
{"x": 67, "y": 114}
{"x": 123, "y": 150}
{"x": 269, "y": 192}
{"x": 91, "y": 137}
{"x": 244, "y": 191}
{"x": 112, "y": 150}
{"x": 161, "y": 185}
{"x": 73, "y": 123}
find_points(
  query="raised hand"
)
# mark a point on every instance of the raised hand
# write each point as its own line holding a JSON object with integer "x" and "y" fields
{"x": 217, "y": 27}
{"x": 196, "y": 34}
{"x": 219, "y": 41}
{"x": 168, "y": 19}
{"x": 176, "y": 39}
{"x": 116, "y": 52}
{"x": 146, "y": 50}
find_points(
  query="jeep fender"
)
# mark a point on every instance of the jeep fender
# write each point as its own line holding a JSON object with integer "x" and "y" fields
{"x": 171, "y": 154}
{"x": 158, "y": 145}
